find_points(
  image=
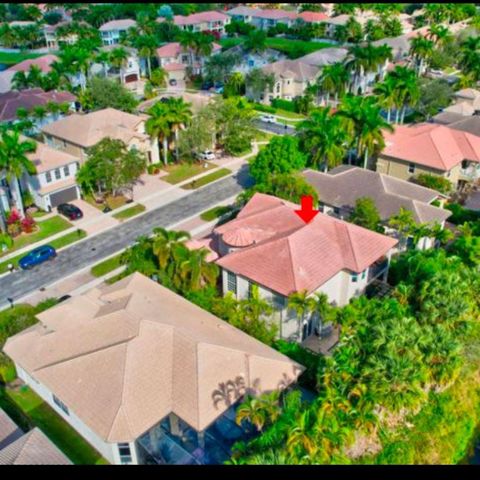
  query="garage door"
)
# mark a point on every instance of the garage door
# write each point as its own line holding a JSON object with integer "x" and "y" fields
{"x": 133, "y": 77}
{"x": 64, "y": 196}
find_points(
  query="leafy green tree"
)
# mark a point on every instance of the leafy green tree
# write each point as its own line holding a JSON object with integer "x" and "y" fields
{"x": 111, "y": 166}
{"x": 256, "y": 41}
{"x": 435, "y": 182}
{"x": 435, "y": 95}
{"x": 106, "y": 93}
{"x": 366, "y": 214}
{"x": 281, "y": 155}
{"x": 257, "y": 83}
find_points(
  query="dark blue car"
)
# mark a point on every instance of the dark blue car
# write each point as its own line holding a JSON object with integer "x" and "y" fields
{"x": 37, "y": 256}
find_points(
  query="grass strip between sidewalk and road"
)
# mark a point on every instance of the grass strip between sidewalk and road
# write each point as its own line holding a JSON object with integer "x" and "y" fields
{"x": 107, "y": 266}
{"x": 215, "y": 213}
{"x": 57, "y": 244}
{"x": 129, "y": 212}
{"x": 211, "y": 177}
{"x": 180, "y": 172}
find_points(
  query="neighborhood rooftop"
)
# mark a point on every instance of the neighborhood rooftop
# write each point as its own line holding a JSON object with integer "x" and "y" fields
{"x": 139, "y": 352}
{"x": 286, "y": 255}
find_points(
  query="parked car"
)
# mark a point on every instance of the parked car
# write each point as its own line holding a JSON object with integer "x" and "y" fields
{"x": 37, "y": 256}
{"x": 173, "y": 82}
{"x": 70, "y": 211}
{"x": 206, "y": 155}
{"x": 164, "y": 99}
{"x": 268, "y": 118}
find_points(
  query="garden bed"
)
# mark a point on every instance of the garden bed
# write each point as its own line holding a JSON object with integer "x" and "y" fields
{"x": 45, "y": 228}
{"x": 223, "y": 172}
{"x": 180, "y": 172}
{"x": 57, "y": 244}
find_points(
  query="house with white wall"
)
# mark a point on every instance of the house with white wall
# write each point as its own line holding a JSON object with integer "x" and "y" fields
{"x": 112, "y": 31}
{"x": 145, "y": 376}
{"x": 270, "y": 246}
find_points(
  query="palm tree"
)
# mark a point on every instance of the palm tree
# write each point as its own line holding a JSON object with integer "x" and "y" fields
{"x": 387, "y": 96}
{"x": 147, "y": 46}
{"x": 333, "y": 80}
{"x": 324, "y": 138}
{"x": 164, "y": 243}
{"x": 39, "y": 112}
{"x": 407, "y": 90}
{"x": 14, "y": 162}
{"x": 118, "y": 58}
{"x": 300, "y": 438}
{"x": 236, "y": 83}
{"x": 302, "y": 305}
{"x": 364, "y": 123}
{"x": 179, "y": 114}
{"x": 421, "y": 50}
{"x": 439, "y": 34}
{"x": 20, "y": 81}
{"x": 196, "y": 270}
{"x": 158, "y": 126}
{"x": 103, "y": 58}
{"x": 260, "y": 411}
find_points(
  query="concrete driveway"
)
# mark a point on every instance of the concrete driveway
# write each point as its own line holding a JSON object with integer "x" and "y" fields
{"x": 94, "y": 220}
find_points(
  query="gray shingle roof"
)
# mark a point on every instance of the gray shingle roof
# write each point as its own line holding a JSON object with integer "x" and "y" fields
{"x": 342, "y": 186}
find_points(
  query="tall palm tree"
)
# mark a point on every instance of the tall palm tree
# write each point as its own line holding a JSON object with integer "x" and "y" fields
{"x": 236, "y": 83}
{"x": 387, "y": 96}
{"x": 333, "y": 80}
{"x": 146, "y": 46}
{"x": 363, "y": 121}
{"x": 20, "y": 81}
{"x": 324, "y": 138}
{"x": 302, "y": 304}
{"x": 179, "y": 114}
{"x": 407, "y": 90}
{"x": 14, "y": 162}
{"x": 103, "y": 58}
{"x": 439, "y": 34}
{"x": 118, "y": 57}
{"x": 197, "y": 271}
{"x": 164, "y": 243}
{"x": 421, "y": 50}
{"x": 158, "y": 126}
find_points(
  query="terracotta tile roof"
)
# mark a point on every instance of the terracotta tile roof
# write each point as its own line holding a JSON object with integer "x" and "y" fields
{"x": 11, "y": 101}
{"x": 202, "y": 17}
{"x": 435, "y": 146}
{"x": 87, "y": 130}
{"x": 174, "y": 67}
{"x": 123, "y": 24}
{"x": 173, "y": 49}
{"x": 342, "y": 186}
{"x": 286, "y": 255}
{"x": 44, "y": 63}
{"x": 313, "y": 17}
{"x": 122, "y": 357}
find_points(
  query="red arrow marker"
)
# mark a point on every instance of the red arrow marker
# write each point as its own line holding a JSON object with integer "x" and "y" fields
{"x": 307, "y": 213}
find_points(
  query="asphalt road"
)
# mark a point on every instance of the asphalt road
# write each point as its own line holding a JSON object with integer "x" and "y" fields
{"x": 93, "y": 250}
{"x": 277, "y": 128}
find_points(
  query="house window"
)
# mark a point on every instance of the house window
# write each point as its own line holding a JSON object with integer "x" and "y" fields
{"x": 125, "y": 453}
{"x": 232, "y": 283}
{"x": 411, "y": 168}
{"x": 278, "y": 302}
{"x": 278, "y": 88}
{"x": 354, "y": 277}
{"x": 60, "y": 405}
{"x": 364, "y": 273}
{"x": 336, "y": 210}
{"x": 64, "y": 143}
{"x": 250, "y": 289}
{"x": 58, "y": 175}
{"x": 66, "y": 170}
{"x": 48, "y": 177}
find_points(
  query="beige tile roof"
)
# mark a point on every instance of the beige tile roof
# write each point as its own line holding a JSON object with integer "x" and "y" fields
{"x": 9, "y": 432}
{"x": 295, "y": 69}
{"x": 342, "y": 186}
{"x": 87, "y": 130}
{"x": 286, "y": 255}
{"x": 123, "y": 357}
{"x": 123, "y": 24}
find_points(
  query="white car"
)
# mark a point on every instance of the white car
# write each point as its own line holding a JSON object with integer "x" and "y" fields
{"x": 206, "y": 155}
{"x": 268, "y": 118}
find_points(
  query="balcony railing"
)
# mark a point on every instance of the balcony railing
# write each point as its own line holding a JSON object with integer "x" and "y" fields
{"x": 377, "y": 269}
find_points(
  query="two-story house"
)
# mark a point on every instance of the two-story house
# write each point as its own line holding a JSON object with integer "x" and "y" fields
{"x": 431, "y": 148}
{"x": 291, "y": 77}
{"x": 53, "y": 39}
{"x": 111, "y": 31}
{"x": 252, "y": 60}
{"x": 270, "y": 246}
{"x": 76, "y": 133}
{"x": 210, "y": 21}
{"x": 54, "y": 183}
{"x": 176, "y": 60}
{"x": 130, "y": 72}
{"x": 340, "y": 188}
{"x": 145, "y": 376}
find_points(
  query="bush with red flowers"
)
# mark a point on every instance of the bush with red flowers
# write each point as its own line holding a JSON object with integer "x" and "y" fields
{"x": 28, "y": 224}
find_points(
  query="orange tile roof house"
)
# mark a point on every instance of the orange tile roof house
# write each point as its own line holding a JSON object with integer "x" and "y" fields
{"x": 136, "y": 369}
{"x": 78, "y": 132}
{"x": 340, "y": 188}
{"x": 270, "y": 246}
{"x": 211, "y": 21}
{"x": 430, "y": 148}
{"x": 44, "y": 63}
{"x": 31, "y": 448}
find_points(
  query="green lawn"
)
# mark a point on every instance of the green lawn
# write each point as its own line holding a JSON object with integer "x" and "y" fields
{"x": 295, "y": 48}
{"x": 57, "y": 244}
{"x": 214, "y": 213}
{"x": 227, "y": 43}
{"x": 261, "y": 136}
{"x": 39, "y": 214}
{"x": 180, "y": 172}
{"x": 46, "y": 228}
{"x": 112, "y": 202}
{"x": 207, "y": 179}
{"x": 30, "y": 406}
{"x": 14, "y": 58}
{"x": 106, "y": 266}
{"x": 129, "y": 212}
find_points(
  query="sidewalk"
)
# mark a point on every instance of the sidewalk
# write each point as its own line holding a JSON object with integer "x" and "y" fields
{"x": 83, "y": 280}
{"x": 167, "y": 194}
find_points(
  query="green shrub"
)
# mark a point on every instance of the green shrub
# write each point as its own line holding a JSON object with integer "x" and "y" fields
{"x": 460, "y": 214}
{"x": 264, "y": 108}
{"x": 154, "y": 168}
{"x": 287, "y": 105}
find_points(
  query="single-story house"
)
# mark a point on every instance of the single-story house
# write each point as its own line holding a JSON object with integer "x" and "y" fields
{"x": 430, "y": 148}
{"x": 144, "y": 375}
{"x": 76, "y": 133}
{"x": 341, "y": 187}
{"x": 31, "y": 448}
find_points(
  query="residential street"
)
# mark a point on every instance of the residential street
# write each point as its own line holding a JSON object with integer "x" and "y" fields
{"x": 93, "y": 250}
{"x": 277, "y": 128}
